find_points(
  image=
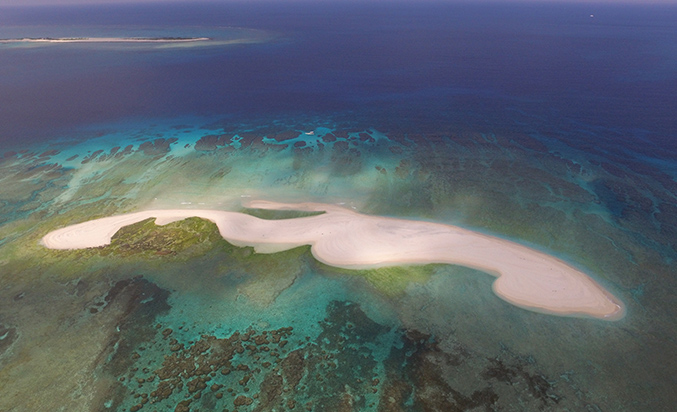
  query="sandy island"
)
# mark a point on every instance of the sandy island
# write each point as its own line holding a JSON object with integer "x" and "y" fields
{"x": 106, "y": 40}
{"x": 346, "y": 239}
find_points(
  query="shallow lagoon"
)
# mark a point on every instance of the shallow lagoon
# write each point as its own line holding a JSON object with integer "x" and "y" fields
{"x": 178, "y": 308}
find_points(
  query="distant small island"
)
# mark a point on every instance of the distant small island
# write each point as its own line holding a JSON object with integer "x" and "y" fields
{"x": 105, "y": 40}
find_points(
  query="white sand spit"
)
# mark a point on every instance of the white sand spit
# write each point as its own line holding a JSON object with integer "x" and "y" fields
{"x": 346, "y": 239}
{"x": 107, "y": 40}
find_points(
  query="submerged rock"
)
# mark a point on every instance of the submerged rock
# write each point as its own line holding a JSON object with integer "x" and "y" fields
{"x": 8, "y": 335}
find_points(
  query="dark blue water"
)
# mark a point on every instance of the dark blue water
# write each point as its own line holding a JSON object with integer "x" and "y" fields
{"x": 504, "y": 65}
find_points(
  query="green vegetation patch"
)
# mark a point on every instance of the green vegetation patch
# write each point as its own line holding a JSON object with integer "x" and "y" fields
{"x": 391, "y": 281}
{"x": 186, "y": 238}
{"x": 268, "y": 214}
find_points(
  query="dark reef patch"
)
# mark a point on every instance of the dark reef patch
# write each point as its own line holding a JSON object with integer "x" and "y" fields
{"x": 206, "y": 143}
{"x": 256, "y": 370}
{"x": 140, "y": 302}
{"x": 284, "y": 135}
{"x": 8, "y": 336}
{"x": 353, "y": 364}
{"x": 212, "y": 142}
{"x": 137, "y": 302}
{"x": 422, "y": 374}
{"x": 157, "y": 147}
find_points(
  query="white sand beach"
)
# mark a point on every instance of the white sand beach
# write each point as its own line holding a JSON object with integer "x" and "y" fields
{"x": 106, "y": 40}
{"x": 346, "y": 239}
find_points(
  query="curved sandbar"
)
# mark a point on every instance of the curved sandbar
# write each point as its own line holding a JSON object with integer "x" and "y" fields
{"x": 346, "y": 239}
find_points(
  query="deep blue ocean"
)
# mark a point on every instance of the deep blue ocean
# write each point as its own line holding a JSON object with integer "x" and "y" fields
{"x": 552, "y": 125}
{"x": 524, "y": 66}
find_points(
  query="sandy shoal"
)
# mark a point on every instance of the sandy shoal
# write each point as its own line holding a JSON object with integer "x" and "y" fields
{"x": 107, "y": 40}
{"x": 346, "y": 239}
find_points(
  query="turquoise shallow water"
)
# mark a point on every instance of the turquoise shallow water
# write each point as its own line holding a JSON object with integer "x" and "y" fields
{"x": 417, "y": 334}
{"x": 555, "y": 134}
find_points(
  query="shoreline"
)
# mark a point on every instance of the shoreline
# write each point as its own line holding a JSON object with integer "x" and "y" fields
{"x": 346, "y": 239}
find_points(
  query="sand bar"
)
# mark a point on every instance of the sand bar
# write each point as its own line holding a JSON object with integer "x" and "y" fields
{"x": 347, "y": 239}
{"x": 106, "y": 40}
